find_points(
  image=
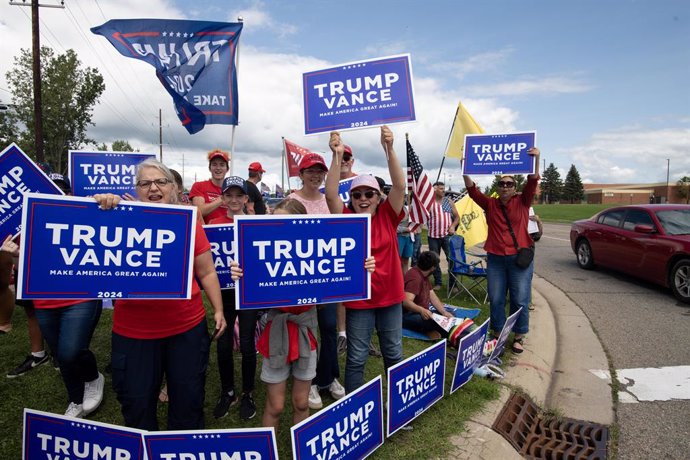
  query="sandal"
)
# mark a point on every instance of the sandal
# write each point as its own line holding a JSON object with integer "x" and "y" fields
{"x": 516, "y": 347}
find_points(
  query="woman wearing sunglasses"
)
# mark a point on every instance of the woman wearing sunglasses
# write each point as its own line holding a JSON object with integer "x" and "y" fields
{"x": 503, "y": 275}
{"x": 384, "y": 309}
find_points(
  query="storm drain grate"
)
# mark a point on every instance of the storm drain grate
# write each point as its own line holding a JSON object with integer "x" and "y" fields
{"x": 522, "y": 425}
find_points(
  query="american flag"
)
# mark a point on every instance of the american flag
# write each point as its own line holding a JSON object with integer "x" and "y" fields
{"x": 421, "y": 191}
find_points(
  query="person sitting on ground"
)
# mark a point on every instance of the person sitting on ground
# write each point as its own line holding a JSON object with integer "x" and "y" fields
{"x": 419, "y": 293}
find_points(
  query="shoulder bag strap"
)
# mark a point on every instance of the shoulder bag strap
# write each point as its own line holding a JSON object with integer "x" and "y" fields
{"x": 510, "y": 227}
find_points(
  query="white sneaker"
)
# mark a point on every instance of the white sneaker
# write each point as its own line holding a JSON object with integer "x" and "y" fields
{"x": 74, "y": 410}
{"x": 93, "y": 394}
{"x": 315, "y": 398}
{"x": 336, "y": 389}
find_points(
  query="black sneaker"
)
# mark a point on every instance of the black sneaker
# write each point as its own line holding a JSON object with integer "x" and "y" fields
{"x": 225, "y": 402}
{"x": 247, "y": 407}
{"x": 29, "y": 363}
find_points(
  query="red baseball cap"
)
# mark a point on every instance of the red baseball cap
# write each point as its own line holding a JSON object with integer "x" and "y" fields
{"x": 256, "y": 166}
{"x": 218, "y": 154}
{"x": 348, "y": 149}
{"x": 312, "y": 159}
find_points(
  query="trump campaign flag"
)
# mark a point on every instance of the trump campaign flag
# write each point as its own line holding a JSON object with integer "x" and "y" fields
{"x": 421, "y": 191}
{"x": 194, "y": 60}
{"x": 293, "y": 155}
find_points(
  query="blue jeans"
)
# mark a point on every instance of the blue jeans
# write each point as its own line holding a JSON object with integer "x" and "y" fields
{"x": 416, "y": 248}
{"x": 435, "y": 245}
{"x": 68, "y": 332}
{"x": 504, "y": 277}
{"x": 327, "y": 367}
{"x": 360, "y": 324}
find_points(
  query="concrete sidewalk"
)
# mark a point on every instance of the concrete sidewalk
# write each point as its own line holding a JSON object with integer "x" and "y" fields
{"x": 560, "y": 350}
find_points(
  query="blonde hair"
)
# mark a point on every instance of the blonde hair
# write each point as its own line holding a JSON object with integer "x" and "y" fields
{"x": 291, "y": 206}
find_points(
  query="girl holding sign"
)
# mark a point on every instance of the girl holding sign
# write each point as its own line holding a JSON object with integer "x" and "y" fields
{"x": 384, "y": 309}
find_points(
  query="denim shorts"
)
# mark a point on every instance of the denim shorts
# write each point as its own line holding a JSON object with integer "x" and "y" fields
{"x": 280, "y": 374}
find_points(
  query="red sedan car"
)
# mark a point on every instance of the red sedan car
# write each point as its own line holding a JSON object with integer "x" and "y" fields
{"x": 647, "y": 241}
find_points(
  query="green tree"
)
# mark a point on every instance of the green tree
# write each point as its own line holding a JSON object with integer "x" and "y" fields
{"x": 551, "y": 185}
{"x": 121, "y": 145}
{"x": 69, "y": 93}
{"x": 573, "y": 190}
{"x": 684, "y": 189}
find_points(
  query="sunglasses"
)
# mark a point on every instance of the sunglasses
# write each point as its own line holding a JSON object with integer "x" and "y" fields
{"x": 347, "y": 157}
{"x": 159, "y": 182}
{"x": 369, "y": 194}
{"x": 509, "y": 184}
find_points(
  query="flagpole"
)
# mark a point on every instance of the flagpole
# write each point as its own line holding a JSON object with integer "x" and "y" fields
{"x": 282, "y": 166}
{"x": 450, "y": 136}
{"x": 232, "y": 134}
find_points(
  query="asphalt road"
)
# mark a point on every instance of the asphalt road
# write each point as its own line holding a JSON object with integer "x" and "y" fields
{"x": 640, "y": 326}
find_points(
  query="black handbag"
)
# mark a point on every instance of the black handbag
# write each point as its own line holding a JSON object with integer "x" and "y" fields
{"x": 524, "y": 255}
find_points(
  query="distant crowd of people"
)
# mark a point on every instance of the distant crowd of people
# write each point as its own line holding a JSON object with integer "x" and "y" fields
{"x": 160, "y": 348}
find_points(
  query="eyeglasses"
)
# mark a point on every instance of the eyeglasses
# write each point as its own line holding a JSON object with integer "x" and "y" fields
{"x": 369, "y": 194}
{"x": 347, "y": 157}
{"x": 509, "y": 184}
{"x": 314, "y": 171}
{"x": 159, "y": 182}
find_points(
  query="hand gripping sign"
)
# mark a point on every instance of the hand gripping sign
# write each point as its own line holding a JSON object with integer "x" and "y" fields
{"x": 358, "y": 94}
{"x": 71, "y": 249}
{"x": 302, "y": 259}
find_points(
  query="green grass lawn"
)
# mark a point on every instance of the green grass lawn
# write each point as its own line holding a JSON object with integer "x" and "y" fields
{"x": 42, "y": 389}
{"x": 568, "y": 212}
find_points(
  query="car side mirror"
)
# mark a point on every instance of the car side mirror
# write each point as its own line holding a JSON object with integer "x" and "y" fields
{"x": 644, "y": 228}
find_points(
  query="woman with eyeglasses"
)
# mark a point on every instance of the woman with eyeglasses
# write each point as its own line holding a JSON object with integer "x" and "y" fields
{"x": 152, "y": 338}
{"x": 503, "y": 275}
{"x": 312, "y": 171}
{"x": 383, "y": 310}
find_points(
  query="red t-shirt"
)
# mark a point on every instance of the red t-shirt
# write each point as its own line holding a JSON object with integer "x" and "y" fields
{"x": 419, "y": 285}
{"x": 156, "y": 319}
{"x": 210, "y": 192}
{"x": 46, "y": 304}
{"x": 224, "y": 219}
{"x": 387, "y": 280}
{"x": 498, "y": 240}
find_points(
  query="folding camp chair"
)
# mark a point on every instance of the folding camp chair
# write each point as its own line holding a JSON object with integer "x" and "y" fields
{"x": 459, "y": 269}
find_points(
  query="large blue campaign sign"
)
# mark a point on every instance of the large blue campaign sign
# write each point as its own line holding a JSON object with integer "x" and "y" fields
{"x": 415, "y": 384}
{"x": 49, "y": 436}
{"x": 233, "y": 444}
{"x": 222, "y": 239}
{"x": 71, "y": 249}
{"x": 358, "y": 94}
{"x": 301, "y": 260}
{"x": 194, "y": 60}
{"x": 502, "y": 338}
{"x": 499, "y": 153}
{"x": 351, "y": 427}
{"x": 19, "y": 176}
{"x": 470, "y": 352}
{"x": 104, "y": 172}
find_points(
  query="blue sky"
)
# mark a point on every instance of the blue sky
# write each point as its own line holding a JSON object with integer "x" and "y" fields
{"x": 604, "y": 83}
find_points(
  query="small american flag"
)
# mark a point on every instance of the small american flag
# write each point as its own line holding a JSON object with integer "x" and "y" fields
{"x": 421, "y": 191}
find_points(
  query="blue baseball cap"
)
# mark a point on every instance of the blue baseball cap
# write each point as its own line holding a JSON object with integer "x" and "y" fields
{"x": 234, "y": 181}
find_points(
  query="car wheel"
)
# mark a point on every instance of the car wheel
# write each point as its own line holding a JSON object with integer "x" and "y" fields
{"x": 680, "y": 280}
{"x": 584, "y": 255}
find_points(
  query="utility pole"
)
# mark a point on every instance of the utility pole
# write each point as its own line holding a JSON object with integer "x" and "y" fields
{"x": 36, "y": 67}
{"x": 160, "y": 135}
{"x": 668, "y": 169}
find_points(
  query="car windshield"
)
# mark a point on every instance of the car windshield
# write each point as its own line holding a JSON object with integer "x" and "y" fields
{"x": 675, "y": 221}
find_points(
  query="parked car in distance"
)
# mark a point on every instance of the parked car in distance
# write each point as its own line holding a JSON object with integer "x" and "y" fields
{"x": 651, "y": 242}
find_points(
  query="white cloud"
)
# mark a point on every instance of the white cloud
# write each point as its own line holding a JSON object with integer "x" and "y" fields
{"x": 529, "y": 86}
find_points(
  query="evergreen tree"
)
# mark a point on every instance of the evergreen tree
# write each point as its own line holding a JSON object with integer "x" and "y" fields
{"x": 684, "y": 189}
{"x": 573, "y": 190}
{"x": 551, "y": 185}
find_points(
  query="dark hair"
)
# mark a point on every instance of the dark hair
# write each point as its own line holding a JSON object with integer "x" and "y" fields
{"x": 382, "y": 183}
{"x": 178, "y": 180}
{"x": 428, "y": 260}
{"x": 438, "y": 182}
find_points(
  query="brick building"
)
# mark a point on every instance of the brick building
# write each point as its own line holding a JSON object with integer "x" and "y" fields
{"x": 632, "y": 193}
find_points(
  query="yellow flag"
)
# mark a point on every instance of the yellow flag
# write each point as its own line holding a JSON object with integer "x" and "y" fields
{"x": 472, "y": 224}
{"x": 463, "y": 124}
